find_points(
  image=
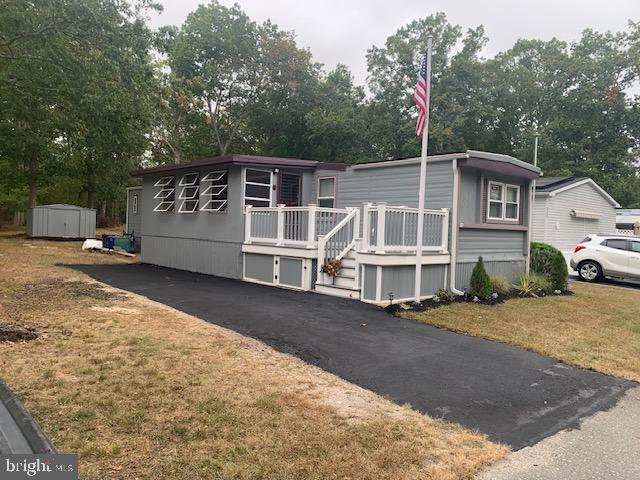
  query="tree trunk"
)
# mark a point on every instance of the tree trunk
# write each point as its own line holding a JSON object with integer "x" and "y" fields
{"x": 33, "y": 183}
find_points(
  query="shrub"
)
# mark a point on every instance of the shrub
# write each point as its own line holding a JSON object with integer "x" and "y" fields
{"x": 500, "y": 285}
{"x": 480, "y": 284}
{"x": 533, "y": 284}
{"x": 550, "y": 261}
{"x": 444, "y": 295}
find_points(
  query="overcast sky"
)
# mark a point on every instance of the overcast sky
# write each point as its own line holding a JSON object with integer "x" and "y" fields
{"x": 341, "y": 31}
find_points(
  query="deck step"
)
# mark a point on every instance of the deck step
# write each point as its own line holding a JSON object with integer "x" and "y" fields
{"x": 345, "y": 282}
{"x": 337, "y": 291}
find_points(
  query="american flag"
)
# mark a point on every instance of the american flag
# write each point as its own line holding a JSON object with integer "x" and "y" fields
{"x": 421, "y": 96}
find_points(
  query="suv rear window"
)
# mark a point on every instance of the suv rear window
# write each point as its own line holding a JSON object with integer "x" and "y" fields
{"x": 618, "y": 243}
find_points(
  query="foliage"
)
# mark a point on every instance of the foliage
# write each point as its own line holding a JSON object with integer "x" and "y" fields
{"x": 533, "y": 284}
{"x": 444, "y": 295}
{"x": 480, "y": 283}
{"x": 331, "y": 267}
{"x": 500, "y": 285}
{"x": 84, "y": 101}
{"x": 549, "y": 261}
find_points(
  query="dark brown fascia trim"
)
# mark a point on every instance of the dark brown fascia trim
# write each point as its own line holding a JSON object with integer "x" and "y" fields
{"x": 494, "y": 226}
{"x": 274, "y": 162}
{"x": 331, "y": 166}
{"x": 498, "y": 167}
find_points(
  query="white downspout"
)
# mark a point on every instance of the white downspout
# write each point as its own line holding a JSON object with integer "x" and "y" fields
{"x": 454, "y": 229}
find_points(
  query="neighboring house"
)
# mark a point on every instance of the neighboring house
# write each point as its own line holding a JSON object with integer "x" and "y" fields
{"x": 626, "y": 219}
{"x": 566, "y": 209}
{"x": 277, "y": 220}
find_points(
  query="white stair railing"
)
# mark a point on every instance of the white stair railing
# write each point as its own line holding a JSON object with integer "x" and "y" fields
{"x": 337, "y": 242}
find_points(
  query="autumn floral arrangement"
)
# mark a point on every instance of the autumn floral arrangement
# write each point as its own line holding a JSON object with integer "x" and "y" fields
{"x": 331, "y": 267}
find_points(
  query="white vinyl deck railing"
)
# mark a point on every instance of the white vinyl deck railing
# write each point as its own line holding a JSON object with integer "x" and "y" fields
{"x": 296, "y": 226}
{"x": 391, "y": 229}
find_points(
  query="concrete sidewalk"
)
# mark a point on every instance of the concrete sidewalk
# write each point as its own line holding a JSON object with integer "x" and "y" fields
{"x": 606, "y": 446}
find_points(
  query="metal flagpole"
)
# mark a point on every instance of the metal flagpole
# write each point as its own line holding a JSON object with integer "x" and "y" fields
{"x": 423, "y": 175}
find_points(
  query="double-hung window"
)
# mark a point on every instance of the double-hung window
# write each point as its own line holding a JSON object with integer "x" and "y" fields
{"x": 327, "y": 192}
{"x": 503, "y": 202}
{"x": 214, "y": 195}
{"x": 258, "y": 187}
{"x": 190, "y": 193}
{"x": 166, "y": 195}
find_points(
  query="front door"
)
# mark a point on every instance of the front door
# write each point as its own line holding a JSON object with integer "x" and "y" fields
{"x": 289, "y": 189}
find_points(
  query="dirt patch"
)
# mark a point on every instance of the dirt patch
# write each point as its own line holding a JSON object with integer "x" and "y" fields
{"x": 16, "y": 333}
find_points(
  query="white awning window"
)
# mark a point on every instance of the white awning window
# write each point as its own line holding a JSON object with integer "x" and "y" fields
{"x": 166, "y": 194}
{"x": 189, "y": 194}
{"x": 214, "y": 195}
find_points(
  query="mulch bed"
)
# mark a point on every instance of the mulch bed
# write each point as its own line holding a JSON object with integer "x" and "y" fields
{"x": 430, "y": 303}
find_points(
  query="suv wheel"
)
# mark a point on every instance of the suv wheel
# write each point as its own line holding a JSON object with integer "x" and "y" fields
{"x": 590, "y": 271}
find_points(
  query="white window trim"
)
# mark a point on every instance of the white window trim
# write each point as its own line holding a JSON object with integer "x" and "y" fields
{"x": 206, "y": 207}
{"x": 503, "y": 201}
{"x": 159, "y": 209}
{"x": 164, "y": 181}
{"x": 210, "y": 188}
{"x": 184, "y": 182}
{"x": 134, "y": 206}
{"x": 194, "y": 196}
{"x": 209, "y": 177}
{"x": 245, "y": 183}
{"x": 182, "y": 208}
{"x": 335, "y": 188}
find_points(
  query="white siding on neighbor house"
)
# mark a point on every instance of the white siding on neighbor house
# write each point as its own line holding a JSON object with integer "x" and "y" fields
{"x": 554, "y": 224}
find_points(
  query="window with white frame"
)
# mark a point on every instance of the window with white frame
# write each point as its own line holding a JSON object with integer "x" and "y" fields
{"x": 214, "y": 193}
{"x": 166, "y": 194}
{"x": 190, "y": 193}
{"x": 327, "y": 192}
{"x": 503, "y": 202}
{"x": 258, "y": 185}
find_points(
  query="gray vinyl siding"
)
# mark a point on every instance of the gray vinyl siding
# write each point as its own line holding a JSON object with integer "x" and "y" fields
{"x": 562, "y": 230}
{"x": 491, "y": 244}
{"x": 539, "y": 220}
{"x": 290, "y": 272}
{"x": 194, "y": 255}
{"x": 259, "y": 267}
{"x": 510, "y": 270}
{"x": 61, "y": 221}
{"x": 395, "y": 185}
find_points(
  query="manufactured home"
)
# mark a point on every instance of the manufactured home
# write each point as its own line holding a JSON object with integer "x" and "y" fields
{"x": 276, "y": 221}
{"x": 567, "y": 209}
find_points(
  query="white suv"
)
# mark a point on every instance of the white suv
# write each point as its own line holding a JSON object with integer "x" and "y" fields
{"x": 599, "y": 256}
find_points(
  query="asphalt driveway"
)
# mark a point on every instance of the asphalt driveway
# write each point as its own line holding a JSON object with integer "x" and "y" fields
{"x": 514, "y": 396}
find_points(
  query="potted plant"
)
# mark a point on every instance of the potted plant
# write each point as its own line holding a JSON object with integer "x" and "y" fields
{"x": 331, "y": 267}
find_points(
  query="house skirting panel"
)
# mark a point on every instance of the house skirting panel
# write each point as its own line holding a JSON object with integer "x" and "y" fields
{"x": 510, "y": 269}
{"x": 203, "y": 256}
{"x": 381, "y": 282}
{"x": 278, "y": 270}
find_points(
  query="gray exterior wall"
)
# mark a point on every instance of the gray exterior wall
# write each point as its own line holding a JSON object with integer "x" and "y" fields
{"x": 395, "y": 185}
{"x": 134, "y": 219}
{"x": 61, "y": 221}
{"x": 205, "y": 242}
{"x": 554, "y": 224}
{"x": 504, "y": 251}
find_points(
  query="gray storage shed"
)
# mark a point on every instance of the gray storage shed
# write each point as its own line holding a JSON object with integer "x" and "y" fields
{"x": 61, "y": 221}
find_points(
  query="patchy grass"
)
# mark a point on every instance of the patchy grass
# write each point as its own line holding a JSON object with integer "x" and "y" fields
{"x": 140, "y": 390}
{"x": 598, "y": 327}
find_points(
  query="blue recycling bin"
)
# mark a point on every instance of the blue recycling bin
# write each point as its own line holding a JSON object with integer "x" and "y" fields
{"x": 109, "y": 242}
